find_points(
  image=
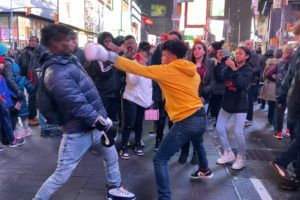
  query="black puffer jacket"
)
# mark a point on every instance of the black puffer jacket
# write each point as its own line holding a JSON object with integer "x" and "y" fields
{"x": 107, "y": 78}
{"x": 74, "y": 93}
{"x": 25, "y": 59}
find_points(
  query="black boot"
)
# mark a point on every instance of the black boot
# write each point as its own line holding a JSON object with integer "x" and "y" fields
{"x": 157, "y": 143}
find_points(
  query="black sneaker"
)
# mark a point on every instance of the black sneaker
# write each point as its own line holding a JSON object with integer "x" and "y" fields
{"x": 291, "y": 185}
{"x": 183, "y": 158}
{"x": 119, "y": 194}
{"x": 50, "y": 133}
{"x": 200, "y": 174}
{"x": 195, "y": 159}
{"x": 139, "y": 150}
{"x": 17, "y": 142}
{"x": 124, "y": 154}
{"x": 157, "y": 144}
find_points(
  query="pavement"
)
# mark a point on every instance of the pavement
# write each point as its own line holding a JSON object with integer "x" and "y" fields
{"x": 24, "y": 169}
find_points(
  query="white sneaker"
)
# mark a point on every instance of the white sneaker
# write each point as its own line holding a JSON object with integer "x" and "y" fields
{"x": 119, "y": 193}
{"x": 227, "y": 157}
{"x": 239, "y": 163}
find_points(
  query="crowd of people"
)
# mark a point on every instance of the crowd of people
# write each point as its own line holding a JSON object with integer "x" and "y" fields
{"x": 92, "y": 95}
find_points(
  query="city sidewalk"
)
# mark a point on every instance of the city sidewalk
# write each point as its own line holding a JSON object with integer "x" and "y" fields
{"x": 24, "y": 169}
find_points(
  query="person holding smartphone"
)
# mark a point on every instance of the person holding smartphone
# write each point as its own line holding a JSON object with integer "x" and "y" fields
{"x": 237, "y": 75}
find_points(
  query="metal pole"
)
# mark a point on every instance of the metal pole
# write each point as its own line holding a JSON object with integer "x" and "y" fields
{"x": 228, "y": 26}
{"x": 281, "y": 38}
{"x": 239, "y": 36}
{"x": 11, "y": 26}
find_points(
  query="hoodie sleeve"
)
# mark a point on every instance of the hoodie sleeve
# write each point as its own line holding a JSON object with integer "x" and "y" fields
{"x": 155, "y": 72}
{"x": 243, "y": 79}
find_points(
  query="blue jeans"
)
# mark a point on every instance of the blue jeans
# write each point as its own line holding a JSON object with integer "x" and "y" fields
{"x": 189, "y": 129}
{"x": 72, "y": 149}
{"x": 238, "y": 130}
{"x": 45, "y": 126}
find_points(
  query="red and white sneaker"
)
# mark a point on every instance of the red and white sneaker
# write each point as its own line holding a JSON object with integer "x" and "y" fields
{"x": 278, "y": 135}
{"x": 287, "y": 132}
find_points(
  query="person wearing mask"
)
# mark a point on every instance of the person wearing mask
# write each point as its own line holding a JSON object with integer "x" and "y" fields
{"x": 80, "y": 112}
{"x": 136, "y": 98}
{"x": 107, "y": 79}
{"x": 24, "y": 63}
{"x": 179, "y": 82}
{"x": 237, "y": 76}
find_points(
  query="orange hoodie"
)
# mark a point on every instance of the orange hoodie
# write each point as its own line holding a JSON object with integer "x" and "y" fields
{"x": 178, "y": 80}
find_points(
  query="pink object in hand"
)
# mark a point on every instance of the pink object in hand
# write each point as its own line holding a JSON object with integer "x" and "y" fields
{"x": 18, "y": 105}
{"x": 151, "y": 114}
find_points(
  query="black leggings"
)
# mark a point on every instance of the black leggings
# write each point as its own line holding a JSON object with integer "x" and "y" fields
{"x": 134, "y": 117}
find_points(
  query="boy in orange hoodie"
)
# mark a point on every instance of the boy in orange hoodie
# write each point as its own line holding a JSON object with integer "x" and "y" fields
{"x": 179, "y": 82}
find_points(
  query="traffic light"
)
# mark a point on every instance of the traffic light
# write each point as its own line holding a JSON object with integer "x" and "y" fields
{"x": 28, "y": 11}
{"x": 56, "y": 18}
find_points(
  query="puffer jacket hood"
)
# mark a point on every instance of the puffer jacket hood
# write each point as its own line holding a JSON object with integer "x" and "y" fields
{"x": 185, "y": 66}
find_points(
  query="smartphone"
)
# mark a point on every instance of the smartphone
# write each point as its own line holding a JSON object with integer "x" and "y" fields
{"x": 226, "y": 53}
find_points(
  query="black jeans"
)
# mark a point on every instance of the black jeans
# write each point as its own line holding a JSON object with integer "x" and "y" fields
{"x": 279, "y": 117}
{"x": 251, "y": 93}
{"x": 32, "y": 105}
{"x": 112, "y": 107}
{"x": 271, "y": 110}
{"x": 134, "y": 117}
{"x": 215, "y": 102}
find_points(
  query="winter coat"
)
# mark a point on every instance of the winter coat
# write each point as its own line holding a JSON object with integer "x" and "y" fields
{"x": 79, "y": 54}
{"x": 107, "y": 79}
{"x": 24, "y": 60}
{"x": 210, "y": 84}
{"x": 8, "y": 74}
{"x": 73, "y": 91}
{"x": 294, "y": 98}
{"x": 236, "y": 87}
{"x": 5, "y": 93}
{"x": 254, "y": 62}
{"x": 22, "y": 83}
{"x": 138, "y": 90}
{"x": 268, "y": 90}
{"x": 285, "y": 86}
{"x": 282, "y": 68}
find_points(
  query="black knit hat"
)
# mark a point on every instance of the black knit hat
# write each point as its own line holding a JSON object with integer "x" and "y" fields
{"x": 217, "y": 45}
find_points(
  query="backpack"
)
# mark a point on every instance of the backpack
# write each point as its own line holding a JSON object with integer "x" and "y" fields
{"x": 45, "y": 103}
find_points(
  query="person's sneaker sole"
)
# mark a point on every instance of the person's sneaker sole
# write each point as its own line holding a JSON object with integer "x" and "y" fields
{"x": 202, "y": 177}
{"x": 109, "y": 198}
{"x": 278, "y": 137}
{"x": 238, "y": 168}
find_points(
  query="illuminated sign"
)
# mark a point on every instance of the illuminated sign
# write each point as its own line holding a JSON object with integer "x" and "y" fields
{"x": 72, "y": 13}
{"x": 158, "y": 10}
{"x": 148, "y": 21}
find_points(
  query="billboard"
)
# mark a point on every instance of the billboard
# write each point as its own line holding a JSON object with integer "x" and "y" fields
{"x": 42, "y": 8}
{"x": 72, "y": 12}
{"x": 195, "y": 14}
{"x": 158, "y": 10}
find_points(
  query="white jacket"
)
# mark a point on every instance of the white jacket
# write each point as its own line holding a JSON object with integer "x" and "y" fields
{"x": 138, "y": 90}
